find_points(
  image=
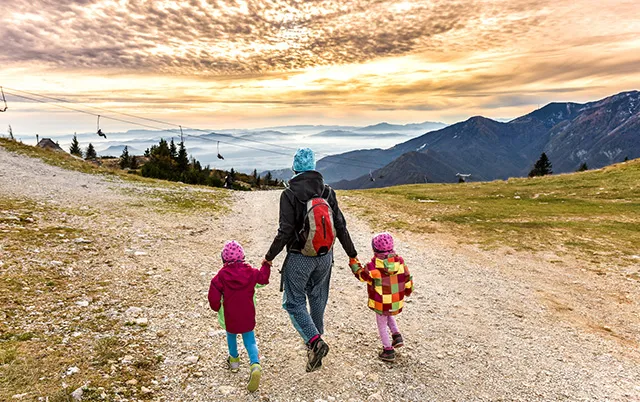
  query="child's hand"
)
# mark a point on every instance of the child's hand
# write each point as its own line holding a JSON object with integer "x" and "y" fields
{"x": 264, "y": 261}
{"x": 354, "y": 264}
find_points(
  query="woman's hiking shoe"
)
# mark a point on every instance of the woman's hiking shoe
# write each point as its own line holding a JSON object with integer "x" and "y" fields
{"x": 387, "y": 355}
{"x": 317, "y": 350}
{"x": 234, "y": 364}
{"x": 254, "y": 377}
{"x": 398, "y": 342}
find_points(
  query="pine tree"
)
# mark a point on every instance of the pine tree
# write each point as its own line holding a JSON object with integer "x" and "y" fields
{"x": 75, "y": 149}
{"x": 583, "y": 167}
{"x": 542, "y": 167}
{"x": 90, "y": 153}
{"x": 267, "y": 179}
{"x": 182, "y": 158}
{"x": 125, "y": 159}
{"x": 173, "y": 151}
{"x": 626, "y": 158}
{"x": 133, "y": 163}
{"x": 232, "y": 174}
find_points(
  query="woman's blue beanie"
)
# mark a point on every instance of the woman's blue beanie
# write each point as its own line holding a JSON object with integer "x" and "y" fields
{"x": 304, "y": 160}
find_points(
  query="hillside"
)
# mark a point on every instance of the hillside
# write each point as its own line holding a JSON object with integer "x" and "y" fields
{"x": 595, "y": 214}
{"x": 104, "y": 278}
{"x": 597, "y": 133}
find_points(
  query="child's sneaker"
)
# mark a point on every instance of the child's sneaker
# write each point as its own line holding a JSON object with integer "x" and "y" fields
{"x": 387, "y": 355}
{"x": 234, "y": 364}
{"x": 254, "y": 377}
{"x": 398, "y": 342}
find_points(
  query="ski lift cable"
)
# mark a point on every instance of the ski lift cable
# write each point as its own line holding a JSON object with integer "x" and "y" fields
{"x": 151, "y": 127}
{"x": 164, "y": 129}
{"x": 329, "y": 156}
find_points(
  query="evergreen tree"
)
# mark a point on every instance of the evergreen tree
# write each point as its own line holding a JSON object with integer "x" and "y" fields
{"x": 542, "y": 167}
{"x": 133, "y": 162}
{"x": 182, "y": 158}
{"x": 583, "y": 167}
{"x": 173, "y": 151}
{"x": 626, "y": 158}
{"x": 147, "y": 153}
{"x": 268, "y": 179}
{"x": 90, "y": 153}
{"x": 125, "y": 159}
{"x": 232, "y": 175}
{"x": 75, "y": 149}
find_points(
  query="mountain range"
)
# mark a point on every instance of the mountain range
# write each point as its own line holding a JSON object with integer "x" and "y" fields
{"x": 596, "y": 133}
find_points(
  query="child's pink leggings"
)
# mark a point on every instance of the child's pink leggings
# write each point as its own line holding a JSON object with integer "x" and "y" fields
{"x": 384, "y": 322}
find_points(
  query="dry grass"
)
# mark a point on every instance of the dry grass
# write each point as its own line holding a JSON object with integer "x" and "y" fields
{"x": 43, "y": 331}
{"x": 594, "y": 214}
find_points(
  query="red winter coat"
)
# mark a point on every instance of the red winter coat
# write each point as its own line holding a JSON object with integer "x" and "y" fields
{"x": 235, "y": 284}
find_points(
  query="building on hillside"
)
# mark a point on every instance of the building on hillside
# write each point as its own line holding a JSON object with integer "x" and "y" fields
{"x": 47, "y": 143}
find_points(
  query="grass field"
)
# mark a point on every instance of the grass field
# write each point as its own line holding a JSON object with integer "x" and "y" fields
{"x": 595, "y": 214}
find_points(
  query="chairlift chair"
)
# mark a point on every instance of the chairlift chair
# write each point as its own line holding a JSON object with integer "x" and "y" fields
{"x": 99, "y": 132}
{"x": 4, "y": 100}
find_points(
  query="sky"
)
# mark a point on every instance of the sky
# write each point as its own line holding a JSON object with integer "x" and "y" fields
{"x": 247, "y": 64}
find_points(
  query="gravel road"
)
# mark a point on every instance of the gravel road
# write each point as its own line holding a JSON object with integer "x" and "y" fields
{"x": 472, "y": 332}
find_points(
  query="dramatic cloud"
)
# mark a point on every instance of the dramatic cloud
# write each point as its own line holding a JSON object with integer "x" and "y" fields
{"x": 256, "y": 62}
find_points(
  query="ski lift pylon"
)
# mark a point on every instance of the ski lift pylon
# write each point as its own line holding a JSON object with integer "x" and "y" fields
{"x": 4, "y": 100}
{"x": 99, "y": 132}
{"x": 219, "y": 156}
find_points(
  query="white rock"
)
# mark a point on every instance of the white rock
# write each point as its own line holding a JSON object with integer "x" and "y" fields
{"x": 128, "y": 359}
{"x": 517, "y": 197}
{"x": 19, "y": 396}
{"x": 145, "y": 390}
{"x": 213, "y": 333}
{"x": 142, "y": 321}
{"x": 81, "y": 240}
{"x": 72, "y": 370}
{"x": 132, "y": 381}
{"x": 375, "y": 397}
{"x": 191, "y": 359}
{"x": 225, "y": 389}
{"x": 77, "y": 394}
{"x": 82, "y": 303}
{"x": 359, "y": 375}
{"x": 139, "y": 253}
{"x": 56, "y": 263}
{"x": 133, "y": 311}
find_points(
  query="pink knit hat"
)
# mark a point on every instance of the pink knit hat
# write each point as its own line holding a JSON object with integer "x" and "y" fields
{"x": 382, "y": 243}
{"x": 232, "y": 252}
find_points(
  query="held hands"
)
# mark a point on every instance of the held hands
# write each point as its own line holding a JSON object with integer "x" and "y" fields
{"x": 355, "y": 265}
{"x": 269, "y": 263}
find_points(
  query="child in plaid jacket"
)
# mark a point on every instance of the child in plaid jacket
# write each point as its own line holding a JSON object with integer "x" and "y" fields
{"x": 388, "y": 282}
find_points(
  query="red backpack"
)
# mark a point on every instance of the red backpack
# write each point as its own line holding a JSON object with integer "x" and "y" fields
{"x": 318, "y": 232}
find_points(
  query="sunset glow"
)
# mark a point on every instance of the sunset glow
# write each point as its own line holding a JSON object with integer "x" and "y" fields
{"x": 258, "y": 63}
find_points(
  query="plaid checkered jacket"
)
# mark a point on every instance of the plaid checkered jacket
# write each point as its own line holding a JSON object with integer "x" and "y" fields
{"x": 388, "y": 282}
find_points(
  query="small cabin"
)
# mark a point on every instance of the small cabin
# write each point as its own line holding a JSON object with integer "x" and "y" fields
{"x": 47, "y": 143}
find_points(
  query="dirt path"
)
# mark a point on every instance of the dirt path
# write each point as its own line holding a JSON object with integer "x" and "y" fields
{"x": 472, "y": 333}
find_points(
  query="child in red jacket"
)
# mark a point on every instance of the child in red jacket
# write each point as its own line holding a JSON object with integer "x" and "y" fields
{"x": 388, "y": 282}
{"x": 233, "y": 288}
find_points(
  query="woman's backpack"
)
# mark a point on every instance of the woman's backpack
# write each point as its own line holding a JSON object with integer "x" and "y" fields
{"x": 318, "y": 232}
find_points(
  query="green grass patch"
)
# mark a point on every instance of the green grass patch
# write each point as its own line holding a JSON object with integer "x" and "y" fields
{"x": 595, "y": 212}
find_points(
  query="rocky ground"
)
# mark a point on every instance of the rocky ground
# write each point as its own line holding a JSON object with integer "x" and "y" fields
{"x": 473, "y": 331}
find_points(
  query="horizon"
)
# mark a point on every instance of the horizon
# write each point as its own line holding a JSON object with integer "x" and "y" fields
{"x": 235, "y": 64}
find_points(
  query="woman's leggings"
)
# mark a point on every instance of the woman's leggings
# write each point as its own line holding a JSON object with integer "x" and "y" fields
{"x": 249, "y": 341}
{"x": 384, "y": 322}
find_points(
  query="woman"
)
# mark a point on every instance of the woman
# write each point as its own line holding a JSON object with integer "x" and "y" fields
{"x": 303, "y": 276}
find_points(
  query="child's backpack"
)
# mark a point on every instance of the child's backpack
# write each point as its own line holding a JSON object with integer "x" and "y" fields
{"x": 318, "y": 232}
